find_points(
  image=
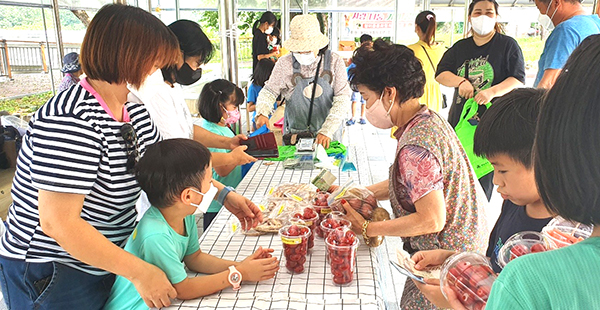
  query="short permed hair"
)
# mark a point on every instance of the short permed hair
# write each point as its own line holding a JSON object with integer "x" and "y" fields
{"x": 214, "y": 94}
{"x": 170, "y": 166}
{"x": 567, "y": 144}
{"x": 123, "y": 44}
{"x": 508, "y": 126}
{"x": 388, "y": 65}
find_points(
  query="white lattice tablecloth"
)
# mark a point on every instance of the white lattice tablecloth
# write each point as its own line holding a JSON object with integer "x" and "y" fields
{"x": 375, "y": 285}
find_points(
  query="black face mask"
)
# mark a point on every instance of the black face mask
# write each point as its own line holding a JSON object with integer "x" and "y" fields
{"x": 186, "y": 76}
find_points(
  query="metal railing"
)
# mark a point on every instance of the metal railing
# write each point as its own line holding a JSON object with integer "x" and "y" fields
{"x": 30, "y": 57}
{"x": 34, "y": 57}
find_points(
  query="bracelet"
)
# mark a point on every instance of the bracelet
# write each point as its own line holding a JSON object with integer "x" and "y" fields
{"x": 464, "y": 80}
{"x": 223, "y": 194}
{"x": 364, "y": 231}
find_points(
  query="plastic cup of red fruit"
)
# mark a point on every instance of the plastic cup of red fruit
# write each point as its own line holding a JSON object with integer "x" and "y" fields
{"x": 470, "y": 276}
{"x": 295, "y": 246}
{"x": 520, "y": 244}
{"x": 341, "y": 251}
{"x": 560, "y": 233}
{"x": 322, "y": 208}
{"x": 309, "y": 218}
{"x": 332, "y": 221}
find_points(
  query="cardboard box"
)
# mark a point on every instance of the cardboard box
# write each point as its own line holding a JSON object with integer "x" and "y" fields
{"x": 346, "y": 45}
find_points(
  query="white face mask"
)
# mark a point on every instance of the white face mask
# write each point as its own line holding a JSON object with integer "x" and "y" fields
{"x": 305, "y": 59}
{"x": 269, "y": 30}
{"x": 206, "y": 199}
{"x": 545, "y": 20}
{"x": 483, "y": 25}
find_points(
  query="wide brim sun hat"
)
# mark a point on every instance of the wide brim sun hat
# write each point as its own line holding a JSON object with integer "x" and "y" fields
{"x": 305, "y": 35}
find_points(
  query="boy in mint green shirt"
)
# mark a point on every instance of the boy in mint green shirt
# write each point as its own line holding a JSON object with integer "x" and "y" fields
{"x": 175, "y": 174}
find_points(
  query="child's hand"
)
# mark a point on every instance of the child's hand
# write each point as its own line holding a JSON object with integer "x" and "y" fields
{"x": 262, "y": 253}
{"x": 259, "y": 266}
{"x": 431, "y": 258}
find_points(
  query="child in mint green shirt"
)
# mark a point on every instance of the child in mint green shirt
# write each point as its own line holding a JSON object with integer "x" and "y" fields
{"x": 219, "y": 107}
{"x": 173, "y": 173}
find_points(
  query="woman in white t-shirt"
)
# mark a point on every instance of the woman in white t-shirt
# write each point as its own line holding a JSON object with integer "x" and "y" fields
{"x": 163, "y": 97}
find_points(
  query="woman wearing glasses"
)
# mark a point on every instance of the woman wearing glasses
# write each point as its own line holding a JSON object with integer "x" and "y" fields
{"x": 73, "y": 192}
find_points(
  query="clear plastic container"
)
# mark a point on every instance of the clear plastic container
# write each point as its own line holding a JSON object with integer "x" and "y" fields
{"x": 332, "y": 221}
{"x": 561, "y": 233}
{"x": 322, "y": 207}
{"x": 342, "y": 244}
{"x": 520, "y": 244}
{"x": 470, "y": 276}
{"x": 295, "y": 246}
{"x": 309, "y": 218}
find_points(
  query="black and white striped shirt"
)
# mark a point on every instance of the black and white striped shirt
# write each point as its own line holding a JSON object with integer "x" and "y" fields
{"x": 74, "y": 146}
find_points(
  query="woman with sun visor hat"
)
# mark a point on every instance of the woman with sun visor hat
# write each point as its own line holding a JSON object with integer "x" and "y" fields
{"x": 294, "y": 76}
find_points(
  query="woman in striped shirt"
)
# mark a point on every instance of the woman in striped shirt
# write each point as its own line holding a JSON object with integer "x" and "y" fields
{"x": 73, "y": 191}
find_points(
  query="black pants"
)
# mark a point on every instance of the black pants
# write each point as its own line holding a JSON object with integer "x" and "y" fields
{"x": 208, "y": 218}
{"x": 487, "y": 183}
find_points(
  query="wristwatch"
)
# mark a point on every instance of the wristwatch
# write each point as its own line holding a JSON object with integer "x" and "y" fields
{"x": 223, "y": 194}
{"x": 235, "y": 278}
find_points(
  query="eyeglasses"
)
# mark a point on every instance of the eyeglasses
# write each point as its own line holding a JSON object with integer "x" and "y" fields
{"x": 131, "y": 145}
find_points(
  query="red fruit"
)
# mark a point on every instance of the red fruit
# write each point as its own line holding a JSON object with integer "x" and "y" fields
{"x": 461, "y": 267}
{"x": 295, "y": 257}
{"x": 298, "y": 216}
{"x": 478, "y": 277}
{"x": 293, "y": 231}
{"x": 483, "y": 292}
{"x": 350, "y": 235}
{"x": 290, "y": 265}
{"x": 299, "y": 269}
{"x": 518, "y": 250}
{"x": 538, "y": 247}
{"x": 302, "y": 260}
{"x": 340, "y": 280}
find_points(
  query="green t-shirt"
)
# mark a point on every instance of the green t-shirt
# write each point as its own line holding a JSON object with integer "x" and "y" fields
{"x": 235, "y": 176}
{"x": 567, "y": 278}
{"x": 155, "y": 242}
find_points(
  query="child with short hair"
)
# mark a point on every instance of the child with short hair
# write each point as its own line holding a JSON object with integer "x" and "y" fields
{"x": 219, "y": 107}
{"x": 261, "y": 75}
{"x": 505, "y": 136}
{"x": 175, "y": 174}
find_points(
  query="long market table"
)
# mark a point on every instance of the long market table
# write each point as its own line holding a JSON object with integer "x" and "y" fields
{"x": 376, "y": 285}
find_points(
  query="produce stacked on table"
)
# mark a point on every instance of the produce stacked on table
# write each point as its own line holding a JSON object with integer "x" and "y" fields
{"x": 332, "y": 221}
{"x": 295, "y": 246}
{"x": 341, "y": 250}
{"x": 321, "y": 205}
{"x": 308, "y": 217}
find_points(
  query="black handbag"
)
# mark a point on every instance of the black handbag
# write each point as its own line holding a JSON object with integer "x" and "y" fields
{"x": 444, "y": 102}
{"x": 293, "y": 138}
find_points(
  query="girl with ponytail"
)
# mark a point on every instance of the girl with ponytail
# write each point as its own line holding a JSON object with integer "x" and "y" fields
{"x": 429, "y": 52}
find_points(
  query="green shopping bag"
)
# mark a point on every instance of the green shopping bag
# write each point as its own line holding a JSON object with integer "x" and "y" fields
{"x": 465, "y": 130}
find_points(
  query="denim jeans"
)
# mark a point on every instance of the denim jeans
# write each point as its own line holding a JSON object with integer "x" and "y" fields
{"x": 51, "y": 286}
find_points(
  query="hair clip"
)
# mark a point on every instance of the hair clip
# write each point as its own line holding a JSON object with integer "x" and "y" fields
{"x": 429, "y": 16}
